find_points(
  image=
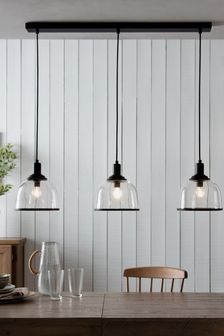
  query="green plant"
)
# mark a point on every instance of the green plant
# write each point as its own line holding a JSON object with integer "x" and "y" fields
{"x": 7, "y": 163}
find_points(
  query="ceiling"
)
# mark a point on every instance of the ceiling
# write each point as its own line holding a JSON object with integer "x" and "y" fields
{"x": 14, "y": 14}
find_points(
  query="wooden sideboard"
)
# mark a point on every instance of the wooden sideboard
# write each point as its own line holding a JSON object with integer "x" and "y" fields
{"x": 12, "y": 259}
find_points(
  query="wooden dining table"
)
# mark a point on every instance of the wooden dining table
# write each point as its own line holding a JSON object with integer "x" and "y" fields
{"x": 116, "y": 314}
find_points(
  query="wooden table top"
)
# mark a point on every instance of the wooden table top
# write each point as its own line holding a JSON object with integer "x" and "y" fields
{"x": 88, "y": 306}
{"x": 163, "y": 305}
{"x": 120, "y": 306}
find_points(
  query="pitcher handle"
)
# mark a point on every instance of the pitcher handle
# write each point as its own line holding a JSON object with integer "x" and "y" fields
{"x": 32, "y": 270}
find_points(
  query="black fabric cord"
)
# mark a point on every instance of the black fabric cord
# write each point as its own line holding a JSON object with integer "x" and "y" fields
{"x": 37, "y": 92}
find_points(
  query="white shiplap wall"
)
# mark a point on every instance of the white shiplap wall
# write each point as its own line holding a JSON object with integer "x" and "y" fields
{"x": 158, "y": 95}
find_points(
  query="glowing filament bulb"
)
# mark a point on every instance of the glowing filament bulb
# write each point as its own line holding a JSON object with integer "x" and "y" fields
{"x": 36, "y": 192}
{"x": 117, "y": 193}
{"x": 200, "y": 192}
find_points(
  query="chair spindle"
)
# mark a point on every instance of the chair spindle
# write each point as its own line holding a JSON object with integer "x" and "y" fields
{"x": 151, "y": 284}
{"x": 182, "y": 286}
{"x": 127, "y": 284}
{"x": 172, "y": 284}
{"x": 140, "y": 285}
{"x": 162, "y": 283}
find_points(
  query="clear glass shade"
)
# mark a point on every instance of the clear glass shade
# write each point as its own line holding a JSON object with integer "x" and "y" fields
{"x": 117, "y": 195}
{"x": 36, "y": 196}
{"x": 201, "y": 196}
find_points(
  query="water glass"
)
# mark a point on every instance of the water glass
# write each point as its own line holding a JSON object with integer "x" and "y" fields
{"x": 75, "y": 281}
{"x": 55, "y": 278}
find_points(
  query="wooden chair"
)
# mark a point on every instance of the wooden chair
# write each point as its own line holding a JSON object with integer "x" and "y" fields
{"x": 156, "y": 272}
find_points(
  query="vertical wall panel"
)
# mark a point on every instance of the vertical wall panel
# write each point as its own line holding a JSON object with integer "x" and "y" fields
{"x": 86, "y": 159}
{"x": 42, "y": 218}
{"x": 129, "y": 148}
{"x": 3, "y": 124}
{"x": 144, "y": 154}
{"x": 217, "y": 162}
{"x": 13, "y": 129}
{"x": 27, "y": 146}
{"x": 115, "y": 268}
{"x": 187, "y": 153}
{"x": 56, "y": 175}
{"x": 100, "y": 162}
{"x": 158, "y": 153}
{"x": 202, "y": 248}
{"x": 71, "y": 156}
{"x": 173, "y": 153}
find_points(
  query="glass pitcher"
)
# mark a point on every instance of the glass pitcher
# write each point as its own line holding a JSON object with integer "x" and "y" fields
{"x": 49, "y": 259}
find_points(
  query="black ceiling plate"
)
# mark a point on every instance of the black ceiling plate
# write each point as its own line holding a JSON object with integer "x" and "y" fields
{"x": 110, "y": 27}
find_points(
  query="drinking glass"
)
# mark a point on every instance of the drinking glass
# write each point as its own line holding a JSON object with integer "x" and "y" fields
{"x": 75, "y": 281}
{"x": 55, "y": 278}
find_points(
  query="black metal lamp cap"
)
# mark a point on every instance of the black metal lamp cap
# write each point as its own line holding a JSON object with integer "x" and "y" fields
{"x": 199, "y": 176}
{"x": 37, "y": 176}
{"x": 117, "y": 173}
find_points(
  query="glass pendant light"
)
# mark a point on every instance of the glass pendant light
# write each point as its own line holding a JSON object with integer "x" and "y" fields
{"x": 117, "y": 193}
{"x": 200, "y": 194}
{"x": 36, "y": 193}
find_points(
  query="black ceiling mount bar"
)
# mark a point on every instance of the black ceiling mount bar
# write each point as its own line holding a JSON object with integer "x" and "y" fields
{"x": 110, "y": 27}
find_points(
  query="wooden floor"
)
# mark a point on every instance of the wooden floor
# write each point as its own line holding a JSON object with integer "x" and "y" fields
{"x": 117, "y": 314}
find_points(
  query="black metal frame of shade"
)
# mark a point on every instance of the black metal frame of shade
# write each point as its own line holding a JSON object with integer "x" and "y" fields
{"x": 111, "y": 27}
{"x": 199, "y": 209}
{"x": 37, "y": 209}
{"x": 120, "y": 209}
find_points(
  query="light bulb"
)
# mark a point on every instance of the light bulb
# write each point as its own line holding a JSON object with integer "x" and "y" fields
{"x": 36, "y": 192}
{"x": 200, "y": 192}
{"x": 117, "y": 193}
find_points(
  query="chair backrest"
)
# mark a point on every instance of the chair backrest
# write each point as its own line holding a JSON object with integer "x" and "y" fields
{"x": 156, "y": 272}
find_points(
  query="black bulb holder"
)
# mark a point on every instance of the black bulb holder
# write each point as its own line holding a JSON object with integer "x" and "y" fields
{"x": 199, "y": 176}
{"x": 37, "y": 176}
{"x": 117, "y": 173}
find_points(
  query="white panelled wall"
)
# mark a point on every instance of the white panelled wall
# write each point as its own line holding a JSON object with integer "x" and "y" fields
{"x": 158, "y": 95}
